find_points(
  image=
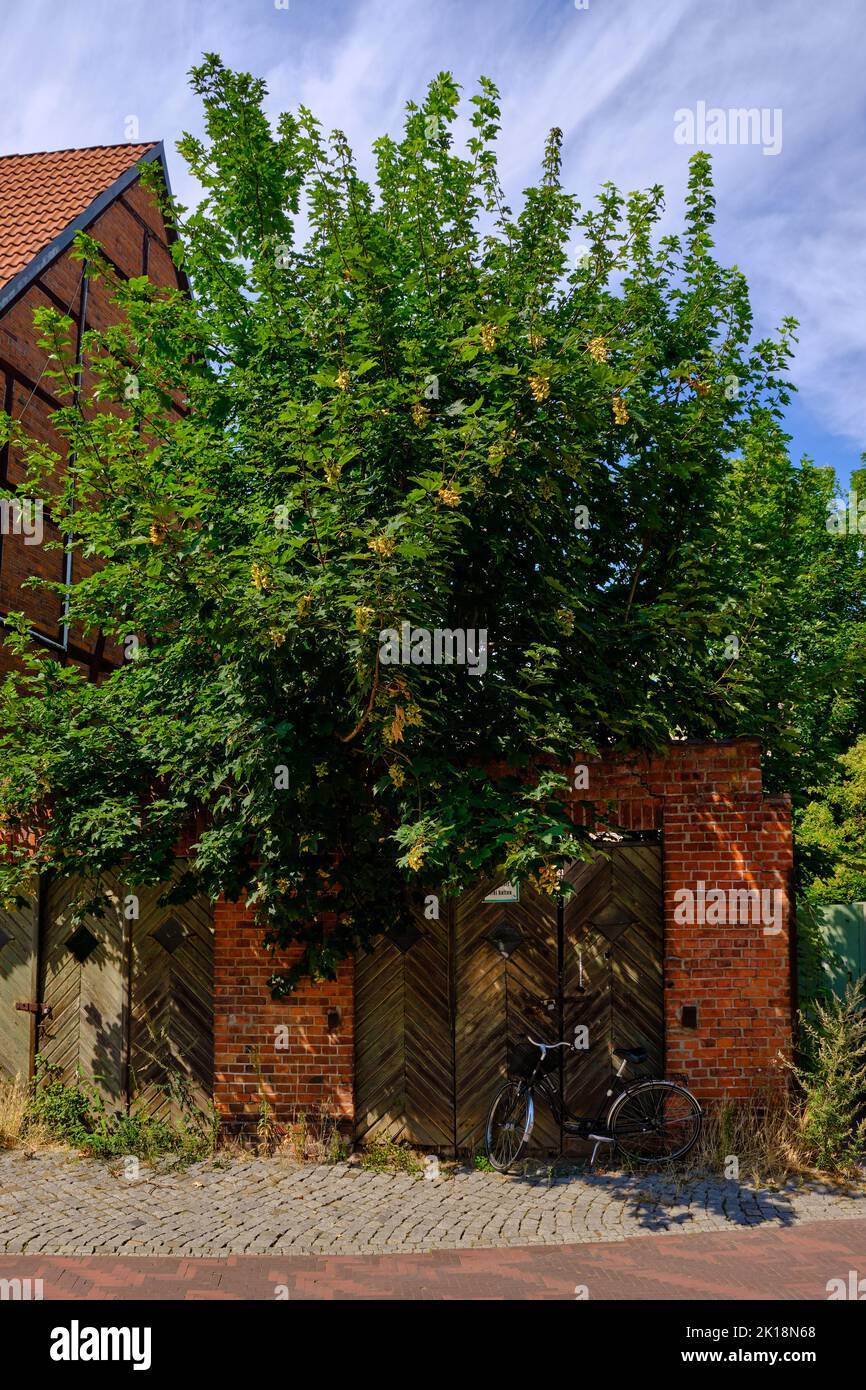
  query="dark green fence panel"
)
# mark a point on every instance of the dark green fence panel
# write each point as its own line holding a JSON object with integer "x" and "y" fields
{"x": 840, "y": 929}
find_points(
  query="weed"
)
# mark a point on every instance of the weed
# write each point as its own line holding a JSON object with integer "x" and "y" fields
{"x": 77, "y": 1114}
{"x": 390, "y": 1156}
{"x": 833, "y": 1079}
{"x": 15, "y": 1100}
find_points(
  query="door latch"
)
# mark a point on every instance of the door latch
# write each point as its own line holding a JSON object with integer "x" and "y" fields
{"x": 40, "y": 1010}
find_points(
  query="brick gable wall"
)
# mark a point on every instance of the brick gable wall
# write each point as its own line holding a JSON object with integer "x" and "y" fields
{"x": 133, "y": 234}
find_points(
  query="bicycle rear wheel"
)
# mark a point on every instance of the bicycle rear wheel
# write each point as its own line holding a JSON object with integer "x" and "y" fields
{"x": 655, "y": 1122}
{"x": 509, "y": 1125}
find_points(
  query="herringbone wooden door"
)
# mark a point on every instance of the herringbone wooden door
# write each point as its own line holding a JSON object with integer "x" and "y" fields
{"x": 613, "y": 944}
{"x": 438, "y": 1014}
{"x": 404, "y": 1062}
{"x": 171, "y": 1006}
{"x": 506, "y": 966}
{"x": 83, "y": 980}
{"x": 131, "y": 996}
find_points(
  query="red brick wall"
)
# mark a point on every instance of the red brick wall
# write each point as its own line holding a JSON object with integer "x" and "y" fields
{"x": 122, "y": 228}
{"x": 315, "y": 1073}
{"x": 717, "y": 827}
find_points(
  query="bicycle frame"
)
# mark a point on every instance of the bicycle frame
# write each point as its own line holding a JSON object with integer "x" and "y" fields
{"x": 579, "y": 1126}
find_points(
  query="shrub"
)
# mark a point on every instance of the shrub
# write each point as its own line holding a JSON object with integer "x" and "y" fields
{"x": 66, "y": 1112}
{"x": 833, "y": 1078}
{"x": 76, "y": 1114}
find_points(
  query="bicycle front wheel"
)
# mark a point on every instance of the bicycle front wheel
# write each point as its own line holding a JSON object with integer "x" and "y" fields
{"x": 655, "y": 1122}
{"x": 509, "y": 1125}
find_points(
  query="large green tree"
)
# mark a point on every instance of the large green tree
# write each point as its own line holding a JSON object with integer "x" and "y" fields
{"x": 400, "y": 402}
{"x": 831, "y": 833}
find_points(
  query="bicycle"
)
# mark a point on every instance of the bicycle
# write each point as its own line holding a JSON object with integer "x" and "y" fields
{"x": 649, "y": 1120}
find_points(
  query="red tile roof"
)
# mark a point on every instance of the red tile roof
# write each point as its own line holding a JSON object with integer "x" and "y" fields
{"x": 40, "y": 194}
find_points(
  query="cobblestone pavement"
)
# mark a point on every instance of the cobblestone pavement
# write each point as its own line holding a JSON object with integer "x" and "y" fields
{"x": 60, "y": 1204}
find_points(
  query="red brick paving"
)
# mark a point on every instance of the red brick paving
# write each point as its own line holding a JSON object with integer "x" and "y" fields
{"x": 793, "y": 1263}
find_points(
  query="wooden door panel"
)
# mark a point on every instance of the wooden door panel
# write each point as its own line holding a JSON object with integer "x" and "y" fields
{"x": 171, "y": 1002}
{"x": 87, "y": 1028}
{"x": 499, "y": 1001}
{"x": 429, "y": 1069}
{"x": 623, "y": 1000}
{"x": 379, "y": 1042}
{"x": 18, "y": 984}
{"x": 404, "y": 1072}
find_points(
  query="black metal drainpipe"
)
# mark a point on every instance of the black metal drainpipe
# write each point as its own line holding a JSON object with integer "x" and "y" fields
{"x": 8, "y": 402}
{"x": 63, "y": 645}
{"x": 560, "y": 1011}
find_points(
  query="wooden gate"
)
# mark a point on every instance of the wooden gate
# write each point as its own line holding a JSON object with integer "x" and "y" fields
{"x": 171, "y": 1004}
{"x": 404, "y": 1057}
{"x": 507, "y": 965}
{"x": 613, "y": 949}
{"x": 123, "y": 991}
{"x": 17, "y": 986}
{"x": 438, "y": 1012}
{"x": 83, "y": 982}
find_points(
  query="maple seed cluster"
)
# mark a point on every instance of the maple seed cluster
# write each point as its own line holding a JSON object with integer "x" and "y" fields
{"x": 547, "y": 880}
{"x": 415, "y": 857}
{"x": 496, "y": 458}
{"x": 488, "y": 336}
{"x": 620, "y": 413}
{"x": 382, "y": 546}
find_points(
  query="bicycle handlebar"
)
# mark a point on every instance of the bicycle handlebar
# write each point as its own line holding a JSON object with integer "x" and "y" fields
{"x": 548, "y": 1047}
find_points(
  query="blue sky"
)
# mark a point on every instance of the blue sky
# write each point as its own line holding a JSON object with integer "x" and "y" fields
{"x": 611, "y": 75}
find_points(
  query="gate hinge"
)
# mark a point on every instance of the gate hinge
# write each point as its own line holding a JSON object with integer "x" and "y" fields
{"x": 41, "y": 1010}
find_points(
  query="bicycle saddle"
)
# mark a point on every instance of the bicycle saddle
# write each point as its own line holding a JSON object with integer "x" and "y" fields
{"x": 631, "y": 1054}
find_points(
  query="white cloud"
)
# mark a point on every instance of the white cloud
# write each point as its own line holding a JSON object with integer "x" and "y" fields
{"x": 611, "y": 77}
